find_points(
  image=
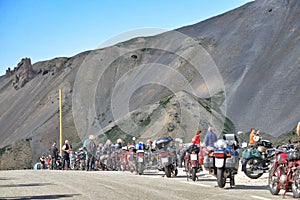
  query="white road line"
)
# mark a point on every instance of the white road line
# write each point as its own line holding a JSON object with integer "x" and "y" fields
{"x": 151, "y": 176}
{"x": 193, "y": 183}
{"x": 261, "y": 198}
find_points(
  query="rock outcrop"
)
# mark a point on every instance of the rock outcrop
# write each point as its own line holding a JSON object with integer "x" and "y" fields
{"x": 23, "y": 73}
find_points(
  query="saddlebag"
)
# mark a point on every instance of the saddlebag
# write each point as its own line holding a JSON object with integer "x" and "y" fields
{"x": 293, "y": 155}
{"x": 162, "y": 142}
{"x": 249, "y": 153}
{"x": 232, "y": 162}
{"x": 208, "y": 162}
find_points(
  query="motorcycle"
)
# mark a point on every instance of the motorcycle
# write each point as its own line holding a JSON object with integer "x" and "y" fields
{"x": 192, "y": 165}
{"x": 257, "y": 158}
{"x": 131, "y": 158}
{"x": 167, "y": 157}
{"x": 223, "y": 161}
{"x": 285, "y": 172}
{"x": 77, "y": 160}
{"x": 140, "y": 158}
{"x": 123, "y": 159}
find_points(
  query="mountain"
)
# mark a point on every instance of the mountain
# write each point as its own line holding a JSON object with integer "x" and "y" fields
{"x": 234, "y": 71}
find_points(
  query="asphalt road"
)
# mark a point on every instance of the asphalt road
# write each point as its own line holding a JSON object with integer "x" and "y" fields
{"x": 46, "y": 184}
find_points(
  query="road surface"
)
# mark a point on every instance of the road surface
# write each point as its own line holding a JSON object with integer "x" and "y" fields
{"x": 48, "y": 184}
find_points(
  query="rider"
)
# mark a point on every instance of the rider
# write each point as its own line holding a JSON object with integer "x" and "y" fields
{"x": 54, "y": 155}
{"x": 251, "y": 136}
{"x": 43, "y": 161}
{"x": 196, "y": 138}
{"x": 91, "y": 149}
{"x": 66, "y": 154}
{"x": 210, "y": 138}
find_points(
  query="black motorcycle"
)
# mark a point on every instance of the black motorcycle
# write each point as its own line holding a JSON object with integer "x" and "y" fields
{"x": 257, "y": 158}
{"x": 167, "y": 157}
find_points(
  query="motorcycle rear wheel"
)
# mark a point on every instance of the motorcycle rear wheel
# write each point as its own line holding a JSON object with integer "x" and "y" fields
{"x": 194, "y": 171}
{"x": 249, "y": 164}
{"x": 296, "y": 184}
{"x": 140, "y": 168}
{"x": 220, "y": 178}
{"x": 168, "y": 171}
{"x": 273, "y": 180}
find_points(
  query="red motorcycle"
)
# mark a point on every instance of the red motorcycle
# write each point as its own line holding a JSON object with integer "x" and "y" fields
{"x": 285, "y": 173}
{"x": 193, "y": 160}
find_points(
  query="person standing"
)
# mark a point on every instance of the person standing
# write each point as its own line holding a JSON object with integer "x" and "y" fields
{"x": 43, "y": 161}
{"x": 251, "y": 136}
{"x": 298, "y": 129}
{"x": 66, "y": 154}
{"x": 91, "y": 149}
{"x": 196, "y": 138}
{"x": 54, "y": 155}
{"x": 210, "y": 138}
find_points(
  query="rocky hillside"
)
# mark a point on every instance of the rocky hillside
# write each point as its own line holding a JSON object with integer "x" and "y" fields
{"x": 235, "y": 71}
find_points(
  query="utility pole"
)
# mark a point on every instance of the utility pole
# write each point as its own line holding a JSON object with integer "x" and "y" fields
{"x": 60, "y": 121}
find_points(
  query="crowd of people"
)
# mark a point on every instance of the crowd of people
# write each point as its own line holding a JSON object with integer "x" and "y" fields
{"x": 91, "y": 149}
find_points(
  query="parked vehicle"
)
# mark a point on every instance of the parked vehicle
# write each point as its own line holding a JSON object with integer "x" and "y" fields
{"x": 131, "y": 158}
{"x": 285, "y": 172}
{"x": 257, "y": 158}
{"x": 123, "y": 159}
{"x": 223, "y": 161}
{"x": 192, "y": 165}
{"x": 167, "y": 157}
{"x": 140, "y": 158}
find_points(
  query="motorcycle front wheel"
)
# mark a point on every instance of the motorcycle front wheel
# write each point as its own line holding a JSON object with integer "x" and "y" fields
{"x": 220, "y": 177}
{"x": 296, "y": 184}
{"x": 250, "y": 165}
{"x": 273, "y": 180}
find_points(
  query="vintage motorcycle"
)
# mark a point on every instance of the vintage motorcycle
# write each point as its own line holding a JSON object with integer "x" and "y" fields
{"x": 257, "y": 158}
{"x": 167, "y": 157}
{"x": 285, "y": 172}
{"x": 77, "y": 160}
{"x": 223, "y": 161}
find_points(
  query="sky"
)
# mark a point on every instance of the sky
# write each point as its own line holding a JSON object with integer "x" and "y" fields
{"x": 45, "y": 29}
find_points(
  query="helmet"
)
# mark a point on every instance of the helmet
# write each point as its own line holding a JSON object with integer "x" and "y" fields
{"x": 261, "y": 149}
{"x": 256, "y": 138}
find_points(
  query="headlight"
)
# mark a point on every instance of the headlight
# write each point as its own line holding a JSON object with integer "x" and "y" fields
{"x": 221, "y": 144}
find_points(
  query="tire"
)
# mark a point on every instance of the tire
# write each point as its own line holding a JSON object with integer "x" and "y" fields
{"x": 174, "y": 172}
{"x": 140, "y": 168}
{"x": 249, "y": 167}
{"x": 194, "y": 171}
{"x": 168, "y": 171}
{"x": 296, "y": 184}
{"x": 220, "y": 178}
{"x": 273, "y": 180}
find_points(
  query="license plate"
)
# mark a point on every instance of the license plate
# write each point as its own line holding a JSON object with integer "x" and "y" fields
{"x": 193, "y": 156}
{"x": 140, "y": 160}
{"x": 219, "y": 162}
{"x": 164, "y": 160}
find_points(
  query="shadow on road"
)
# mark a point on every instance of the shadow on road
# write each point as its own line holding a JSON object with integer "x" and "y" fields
{"x": 26, "y": 185}
{"x": 6, "y": 178}
{"x": 53, "y": 196}
{"x": 250, "y": 187}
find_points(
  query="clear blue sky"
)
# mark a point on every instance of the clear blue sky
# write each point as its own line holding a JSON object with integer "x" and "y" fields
{"x": 45, "y": 29}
